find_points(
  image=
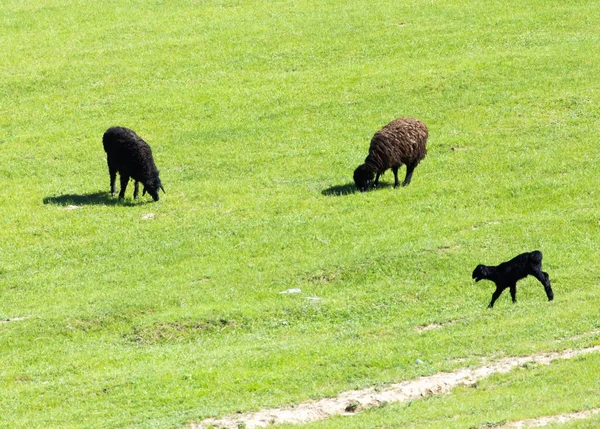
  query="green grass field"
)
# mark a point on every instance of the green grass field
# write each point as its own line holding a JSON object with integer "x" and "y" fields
{"x": 153, "y": 315}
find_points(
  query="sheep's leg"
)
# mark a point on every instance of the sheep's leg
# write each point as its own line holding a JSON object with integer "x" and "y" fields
{"x": 136, "y": 190}
{"x": 545, "y": 280}
{"x": 376, "y": 183}
{"x": 496, "y": 295}
{"x": 396, "y": 181}
{"x": 124, "y": 181}
{"x": 513, "y": 293}
{"x": 409, "y": 172}
{"x": 113, "y": 176}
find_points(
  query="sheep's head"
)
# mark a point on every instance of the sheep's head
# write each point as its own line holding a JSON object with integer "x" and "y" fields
{"x": 480, "y": 273}
{"x": 362, "y": 177}
{"x": 152, "y": 186}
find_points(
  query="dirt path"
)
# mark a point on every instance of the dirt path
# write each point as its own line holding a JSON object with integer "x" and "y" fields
{"x": 356, "y": 400}
{"x": 548, "y": 420}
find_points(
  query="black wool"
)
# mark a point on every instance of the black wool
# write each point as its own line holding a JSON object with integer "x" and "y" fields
{"x": 131, "y": 157}
{"x": 508, "y": 273}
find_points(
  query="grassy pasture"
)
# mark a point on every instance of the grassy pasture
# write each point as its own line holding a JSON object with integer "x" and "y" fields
{"x": 140, "y": 314}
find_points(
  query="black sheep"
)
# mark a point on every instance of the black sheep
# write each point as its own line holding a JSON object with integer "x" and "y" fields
{"x": 402, "y": 141}
{"x": 508, "y": 273}
{"x": 131, "y": 156}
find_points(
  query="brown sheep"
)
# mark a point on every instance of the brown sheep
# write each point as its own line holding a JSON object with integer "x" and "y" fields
{"x": 402, "y": 141}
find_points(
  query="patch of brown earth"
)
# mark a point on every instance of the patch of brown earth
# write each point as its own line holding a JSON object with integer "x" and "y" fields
{"x": 432, "y": 326}
{"x": 14, "y": 319}
{"x": 357, "y": 400}
{"x": 548, "y": 420}
{"x": 425, "y": 328}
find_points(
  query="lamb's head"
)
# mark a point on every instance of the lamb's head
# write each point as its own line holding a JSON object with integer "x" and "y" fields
{"x": 480, "y": 272}
{"x": 152, "y": 186}
{"x": 362, "y": 177}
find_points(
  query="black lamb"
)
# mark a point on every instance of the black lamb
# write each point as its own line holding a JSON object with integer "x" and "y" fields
{"x": 402, "y": 141}
{"x": 508, "y": 273}
{"x": 131, "y": 156}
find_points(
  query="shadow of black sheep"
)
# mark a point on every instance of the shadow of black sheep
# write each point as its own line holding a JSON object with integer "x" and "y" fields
{"x": 339, "y": 190}
{"x": 347, "y": 189}
{"x": 93, "y": 199}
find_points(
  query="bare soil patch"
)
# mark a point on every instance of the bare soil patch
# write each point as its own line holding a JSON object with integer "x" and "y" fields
{"x": 425, "y": 328}
{"x": 548, "y": 420}
{"x": 14, "y": 319}
{"x": 354, "y": 401}
{"x": 432, "y": 326}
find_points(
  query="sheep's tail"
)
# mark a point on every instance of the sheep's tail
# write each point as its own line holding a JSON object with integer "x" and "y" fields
{"x": 108, "y": 139}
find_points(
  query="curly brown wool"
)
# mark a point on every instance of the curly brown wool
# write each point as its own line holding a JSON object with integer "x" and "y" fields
{"x": 402, "y": 141}
{"x": 131, "y": 157}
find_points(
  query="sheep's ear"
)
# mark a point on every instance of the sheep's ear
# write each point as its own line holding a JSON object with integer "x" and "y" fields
{"x": 163, "y": 189}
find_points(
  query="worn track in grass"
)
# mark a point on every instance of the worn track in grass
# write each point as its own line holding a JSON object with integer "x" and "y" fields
{"x": 548, "y": 420}
{"x": 356, "y": 400}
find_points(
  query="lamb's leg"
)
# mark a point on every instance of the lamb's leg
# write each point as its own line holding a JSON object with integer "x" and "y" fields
{"x": 545, "y": 280}
{"x": 409, "y": 172}
{"x": 496, "y": 295}
{"x": 376, "y": 183}
{"x": 396, "y": 181}
{"x": 124, "y": 181}
{"x": 136, "y": 190}
{"x": 113, "y": 176}
{"x": 513, "y": 293}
